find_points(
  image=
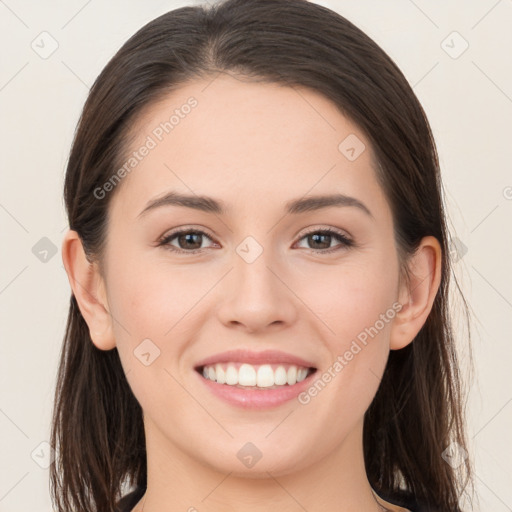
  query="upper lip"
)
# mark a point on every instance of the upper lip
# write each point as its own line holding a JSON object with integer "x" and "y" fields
{"x": 251, "y": 357}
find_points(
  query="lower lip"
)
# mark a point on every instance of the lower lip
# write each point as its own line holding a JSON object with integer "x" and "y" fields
{"x": 256, "y": 398}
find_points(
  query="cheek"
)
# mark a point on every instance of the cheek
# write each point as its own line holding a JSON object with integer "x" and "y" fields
{"x": 149, "y": 302}
{"x": 351, "y": 298}
{"x": 149, "y": 299}
{"x": 356, "y": 304}
{"x": 364, "y": 313}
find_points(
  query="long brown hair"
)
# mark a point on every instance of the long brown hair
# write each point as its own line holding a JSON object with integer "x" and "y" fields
{"x": 418, "y": 410}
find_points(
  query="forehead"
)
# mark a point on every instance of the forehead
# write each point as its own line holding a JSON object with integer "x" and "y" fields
{"x": 251, "y": 143}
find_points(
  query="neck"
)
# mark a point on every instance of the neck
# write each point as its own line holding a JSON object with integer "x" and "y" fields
{"x": 178, "y": 482}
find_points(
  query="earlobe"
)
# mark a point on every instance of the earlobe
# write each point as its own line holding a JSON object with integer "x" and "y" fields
{"x": 88, "y": 288}
{"x": 417, "y": 296}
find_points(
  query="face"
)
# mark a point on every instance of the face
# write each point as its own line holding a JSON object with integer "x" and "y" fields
{"x": 286, "y": 285}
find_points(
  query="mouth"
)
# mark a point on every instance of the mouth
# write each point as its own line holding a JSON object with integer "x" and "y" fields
{"x": 255, "y": 380}
{"x": 255, "y": 377}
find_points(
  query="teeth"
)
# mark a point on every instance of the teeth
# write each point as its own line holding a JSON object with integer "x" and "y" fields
{"x": 220, "y": 374}
{"x": 280, "y": 377}
{"x": 301, "y": 374}
{"x": 261, "y": 376}
{"x": 231, "y": 376}
{"x": 265, "y": 376}
{"x": 291, "y": 376}
{"x": 246, "y": 375}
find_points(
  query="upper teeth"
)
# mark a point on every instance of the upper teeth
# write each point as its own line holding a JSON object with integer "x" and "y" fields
{"x": 262, "y": 376}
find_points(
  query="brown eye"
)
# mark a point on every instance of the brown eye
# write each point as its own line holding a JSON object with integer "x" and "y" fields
{"x": 188, "y": 241}
{"x": 320, "y": 240}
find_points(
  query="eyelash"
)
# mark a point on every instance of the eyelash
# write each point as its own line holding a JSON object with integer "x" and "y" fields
{"x": 345, "y": 241}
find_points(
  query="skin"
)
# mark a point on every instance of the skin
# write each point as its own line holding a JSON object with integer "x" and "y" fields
{"x": 253, "y": 146}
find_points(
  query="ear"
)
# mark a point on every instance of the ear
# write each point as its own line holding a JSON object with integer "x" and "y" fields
{"x": 418, "y": 295}
{"x": 89, "y": 290}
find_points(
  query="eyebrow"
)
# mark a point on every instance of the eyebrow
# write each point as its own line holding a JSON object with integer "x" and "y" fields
{"x": 295, "y": 206}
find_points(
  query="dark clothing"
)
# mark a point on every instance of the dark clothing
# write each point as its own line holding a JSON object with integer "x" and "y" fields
{"x": 128, "y": 501}
{"x": 408, "y": 502}
{"x": 131, "y": 499}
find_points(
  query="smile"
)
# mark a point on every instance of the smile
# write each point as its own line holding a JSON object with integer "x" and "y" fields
{"x": 263, "y": 376}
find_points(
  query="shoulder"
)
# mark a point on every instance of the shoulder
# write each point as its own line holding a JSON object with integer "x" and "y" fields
{"x": 128, "y": 501}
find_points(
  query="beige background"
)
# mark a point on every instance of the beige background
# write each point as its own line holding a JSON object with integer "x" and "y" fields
{"x": 467, "y": 97}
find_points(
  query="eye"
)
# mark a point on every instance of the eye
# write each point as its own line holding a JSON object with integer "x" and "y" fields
{"x": 188, "y": 240}
{"x": 321, "y": 240}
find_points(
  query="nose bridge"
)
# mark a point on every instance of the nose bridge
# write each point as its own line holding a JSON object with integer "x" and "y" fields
{"x": 252, "y": 262}
{"x": 257, "y": 296}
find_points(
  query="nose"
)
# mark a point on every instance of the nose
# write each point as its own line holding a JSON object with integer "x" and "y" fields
{"x": 257, "y": 296}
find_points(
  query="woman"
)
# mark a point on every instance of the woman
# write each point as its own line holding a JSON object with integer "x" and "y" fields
{"x": 259, "y": 265}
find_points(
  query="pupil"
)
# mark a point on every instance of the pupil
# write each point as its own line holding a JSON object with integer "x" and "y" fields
{"x": 187, "y": 238}
{"x": 316, "y": 237}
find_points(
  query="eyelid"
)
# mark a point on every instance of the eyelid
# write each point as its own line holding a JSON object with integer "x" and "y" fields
{"x": 317, "y": 228}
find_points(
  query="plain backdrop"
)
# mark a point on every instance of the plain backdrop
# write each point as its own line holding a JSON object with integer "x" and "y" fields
{"x": 458, "y": 58}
